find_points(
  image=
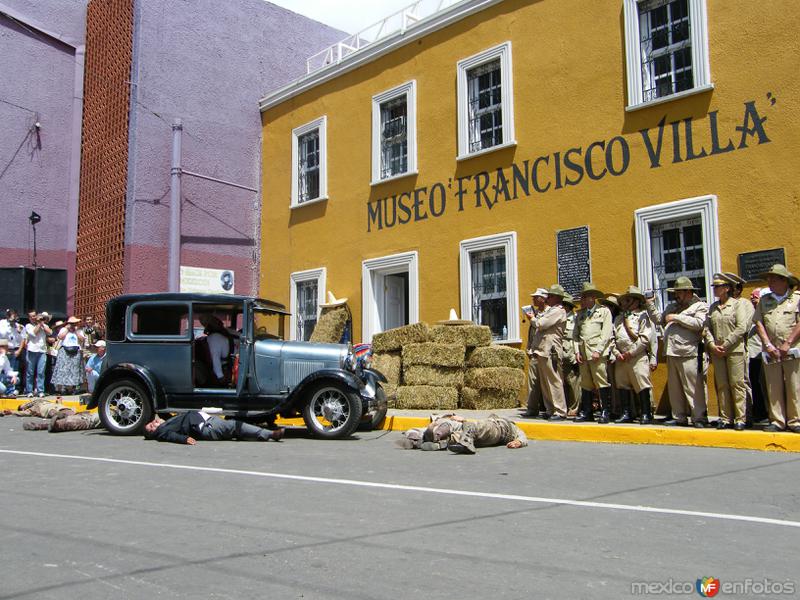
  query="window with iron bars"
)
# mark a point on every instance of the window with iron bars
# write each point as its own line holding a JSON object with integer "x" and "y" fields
{"x": 307, "y": 294}
{"x": 666, "y": 48}
{"x": 308, "y": 166}
{"x": 677, "y": 250}
{"x": 489, "y": 297}
{"x": 394, "y": 137}
{"x": 485, "y": 106}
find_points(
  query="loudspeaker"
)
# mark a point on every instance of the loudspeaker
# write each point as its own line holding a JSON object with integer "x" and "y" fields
{"x": 16, "y": 290}
{"x": 50, "y": 291}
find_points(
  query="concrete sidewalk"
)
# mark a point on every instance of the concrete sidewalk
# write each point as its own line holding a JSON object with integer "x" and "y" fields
{"x": 567, "y": 431}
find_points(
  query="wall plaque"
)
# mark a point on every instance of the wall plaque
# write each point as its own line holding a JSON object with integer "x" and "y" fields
{"x": 753, "y": 263}
{"x": 574, "y": 261}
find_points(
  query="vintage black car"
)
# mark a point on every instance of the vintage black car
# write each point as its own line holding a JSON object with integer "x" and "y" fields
{"x": 157, "y": 363}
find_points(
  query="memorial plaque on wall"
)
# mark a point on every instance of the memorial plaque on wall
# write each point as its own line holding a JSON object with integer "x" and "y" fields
{"x": 753, "y": 263}
{"x": 574, "y": 262}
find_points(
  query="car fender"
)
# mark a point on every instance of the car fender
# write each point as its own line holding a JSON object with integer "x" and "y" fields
{"x": 377, "y": 375}
{"x": 128, "y": 371}
{"x": 297, "y": 396}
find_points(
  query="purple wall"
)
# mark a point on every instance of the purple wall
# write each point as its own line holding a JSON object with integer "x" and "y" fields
{"x": 38, "y": 72}
{"x": 209, "y": 63}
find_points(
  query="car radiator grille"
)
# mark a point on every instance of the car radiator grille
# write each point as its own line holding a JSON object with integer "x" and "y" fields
{"x": 294, "y": 371}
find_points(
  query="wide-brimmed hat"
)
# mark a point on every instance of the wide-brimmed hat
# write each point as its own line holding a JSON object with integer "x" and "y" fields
{"x": 734, "y": 278}
{"x": 682, "y": 283}
{"x": 333, "y": 301}
{"x": 568, "y": 300}
{"x": 3, "y": 343}
{"x": 633, "y": 292}
{"x": 58, "y": 324}
{"x": 100, "y": 344}
{"x": 590, "y": 289}
{"x": 556, "y": 290}
{"x": 780, "y": 271}
{"x": 454, "y": 320}
{"x": 610, "y": 300}
{"x": 722, "y": 279}
{"x": 541, "y": 292}
{"x": 73, "y": 320}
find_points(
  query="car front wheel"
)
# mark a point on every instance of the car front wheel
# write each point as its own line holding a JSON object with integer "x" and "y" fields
{"x": 372, "y": 419}
{"x": 332, "y": 411}
{"x": 125, "y": 407}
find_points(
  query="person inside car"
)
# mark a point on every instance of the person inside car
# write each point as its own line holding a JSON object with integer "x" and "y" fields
{"x": 215, "y": 349}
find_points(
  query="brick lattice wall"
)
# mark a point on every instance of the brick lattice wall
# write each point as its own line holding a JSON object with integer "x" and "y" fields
{"x": 100, "y": 256}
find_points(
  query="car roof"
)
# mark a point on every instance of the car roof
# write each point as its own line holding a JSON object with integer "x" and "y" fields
{"x": 195, "y": 297}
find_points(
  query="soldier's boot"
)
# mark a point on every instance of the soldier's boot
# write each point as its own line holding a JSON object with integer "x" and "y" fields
{"x": 647, "y": 410}
{"x": 587, "y": 412}
{"x": 463, "y": 442}
{"x": 36, "y": 425}
{"x": 429, "y": 446}
{"x": 625, "y": 401}
{"x": 605, "y": 405}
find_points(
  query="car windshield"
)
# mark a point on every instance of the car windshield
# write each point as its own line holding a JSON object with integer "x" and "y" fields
{"x": 268, "y": 324}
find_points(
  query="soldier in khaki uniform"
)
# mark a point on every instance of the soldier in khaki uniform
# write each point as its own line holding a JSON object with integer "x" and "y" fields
{"x": 737, "y": 287}
{"x": 535, "y": 406}
{"x": 570, "y": 372}
{"x": 683, "y": 322}
{"x": 455, "y": 433}
{"x": 611, "y": 302}
{"x": 726, "y": 326}
{"x": 592, "y": 337}
{"x": 547, "y": 344}
{"x": 630, "y": 349}
{"x": 777, "y": 317}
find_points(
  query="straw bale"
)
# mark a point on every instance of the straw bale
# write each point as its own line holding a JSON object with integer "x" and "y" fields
{"x": 465, "y": 335}
{"x": 487, "y": 399}
{"x": 390, "y": 389}
{"x": 331, "y": 324}
{"x": 395, "y": 339}
{"x": 438, "y": 355}
{"x": 426, "y": 397}
{"x": 495, "y": 378}
{"x": 389, "y": 364}
{"x": 496, "y": 356}
{"x": 429, "y": 375}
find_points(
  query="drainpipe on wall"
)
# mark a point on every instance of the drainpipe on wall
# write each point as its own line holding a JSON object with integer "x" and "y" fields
{"x": 174, "y": 277}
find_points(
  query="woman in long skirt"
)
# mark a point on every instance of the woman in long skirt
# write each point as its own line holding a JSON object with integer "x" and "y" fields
{"x": 68, "y": 374}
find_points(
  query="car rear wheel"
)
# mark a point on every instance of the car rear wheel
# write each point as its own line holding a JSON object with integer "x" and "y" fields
{"x": 332, "y": 411}
{"x": 370, "y": 420}
{"x": 125, "y": 407}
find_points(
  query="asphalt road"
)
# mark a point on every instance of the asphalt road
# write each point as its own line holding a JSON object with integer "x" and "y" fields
{"x": 222, "y": 520}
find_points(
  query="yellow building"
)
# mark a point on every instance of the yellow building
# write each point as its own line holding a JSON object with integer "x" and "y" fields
{"x": 490, "y": 147}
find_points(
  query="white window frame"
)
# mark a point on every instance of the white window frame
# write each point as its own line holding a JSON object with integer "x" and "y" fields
{"x": 503, "y": 52}
{"x": 704, "y": 207}
{"x": 701, "y": 67}
{"x": 409, "y": 90}
{"x": 322, "y": 124}
{"x": 321, "y": 276}
{"x": 507, "y": 241}
{"x": 385, "y": 265}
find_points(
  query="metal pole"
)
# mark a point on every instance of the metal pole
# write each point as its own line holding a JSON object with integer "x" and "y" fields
{"x": 175, "y": 210}
{"x": 34, "y": 245}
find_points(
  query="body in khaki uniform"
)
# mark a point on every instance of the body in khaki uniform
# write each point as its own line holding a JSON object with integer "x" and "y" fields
{"x": 630, "y": 348}
{"x": 570, "y": 372}
{"x": 777, "y": 317}
{"x": 724, "y": 335}
{"x": 548, "y": 340}
{"x": 592, "y": 339}
{"x": 535, "y": 404}
{"x": 683, "y": 323}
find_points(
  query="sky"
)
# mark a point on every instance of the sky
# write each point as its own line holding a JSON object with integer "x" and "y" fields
{"x": 347, "y": 15}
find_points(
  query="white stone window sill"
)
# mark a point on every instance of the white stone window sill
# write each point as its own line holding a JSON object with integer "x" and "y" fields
{"x": 670, "y": 98}
{"x": 394, "y": 177}
{"x": 307, "y": 202}
{"x": 502, "y": 146}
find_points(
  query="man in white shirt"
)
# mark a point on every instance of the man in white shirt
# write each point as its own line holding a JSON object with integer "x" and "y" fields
{"x": 36, "y": 333}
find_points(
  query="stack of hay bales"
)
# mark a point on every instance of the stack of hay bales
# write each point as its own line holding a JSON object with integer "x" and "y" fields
{"x": 387, "y": 350}
{"x": 432, "y": 375}
{"x": 494, "y": 377}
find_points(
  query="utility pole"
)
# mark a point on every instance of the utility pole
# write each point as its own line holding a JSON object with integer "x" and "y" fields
{"x": 174, "y": 277}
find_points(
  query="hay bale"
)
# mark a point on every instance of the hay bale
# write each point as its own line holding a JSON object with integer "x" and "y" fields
{"x": 488, "y": 399}
{"x": 496, "y": 356}
{"x": 388, "y": 363}
{"x": 495, "y": 378}
{"x": 395, "y": 339}
{"x": 464, "y": 335}
{"x": 331, "y": 324}
{"x": 429, "y": 353}
{"x": 390, "y": 389}
{"x": 430, "y": 375}
{"x": 427, "y": 397}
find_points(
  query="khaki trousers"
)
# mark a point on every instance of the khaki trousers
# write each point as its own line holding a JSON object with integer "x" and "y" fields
{"x": 572, "y": 384}
{"x": 783, "y": 392}
{"x": 594, "y": 373}
{"x": 535, "y": 398}
{"x": 685, "y": 388}
{"x": 731, "y": 386}
{"x": 633, "y": 374}
{"x": 552, "y": 386}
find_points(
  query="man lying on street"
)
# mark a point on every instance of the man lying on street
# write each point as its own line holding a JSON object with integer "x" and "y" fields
{"x": 453, "y": 432}
{"x": 200, "y": 425}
